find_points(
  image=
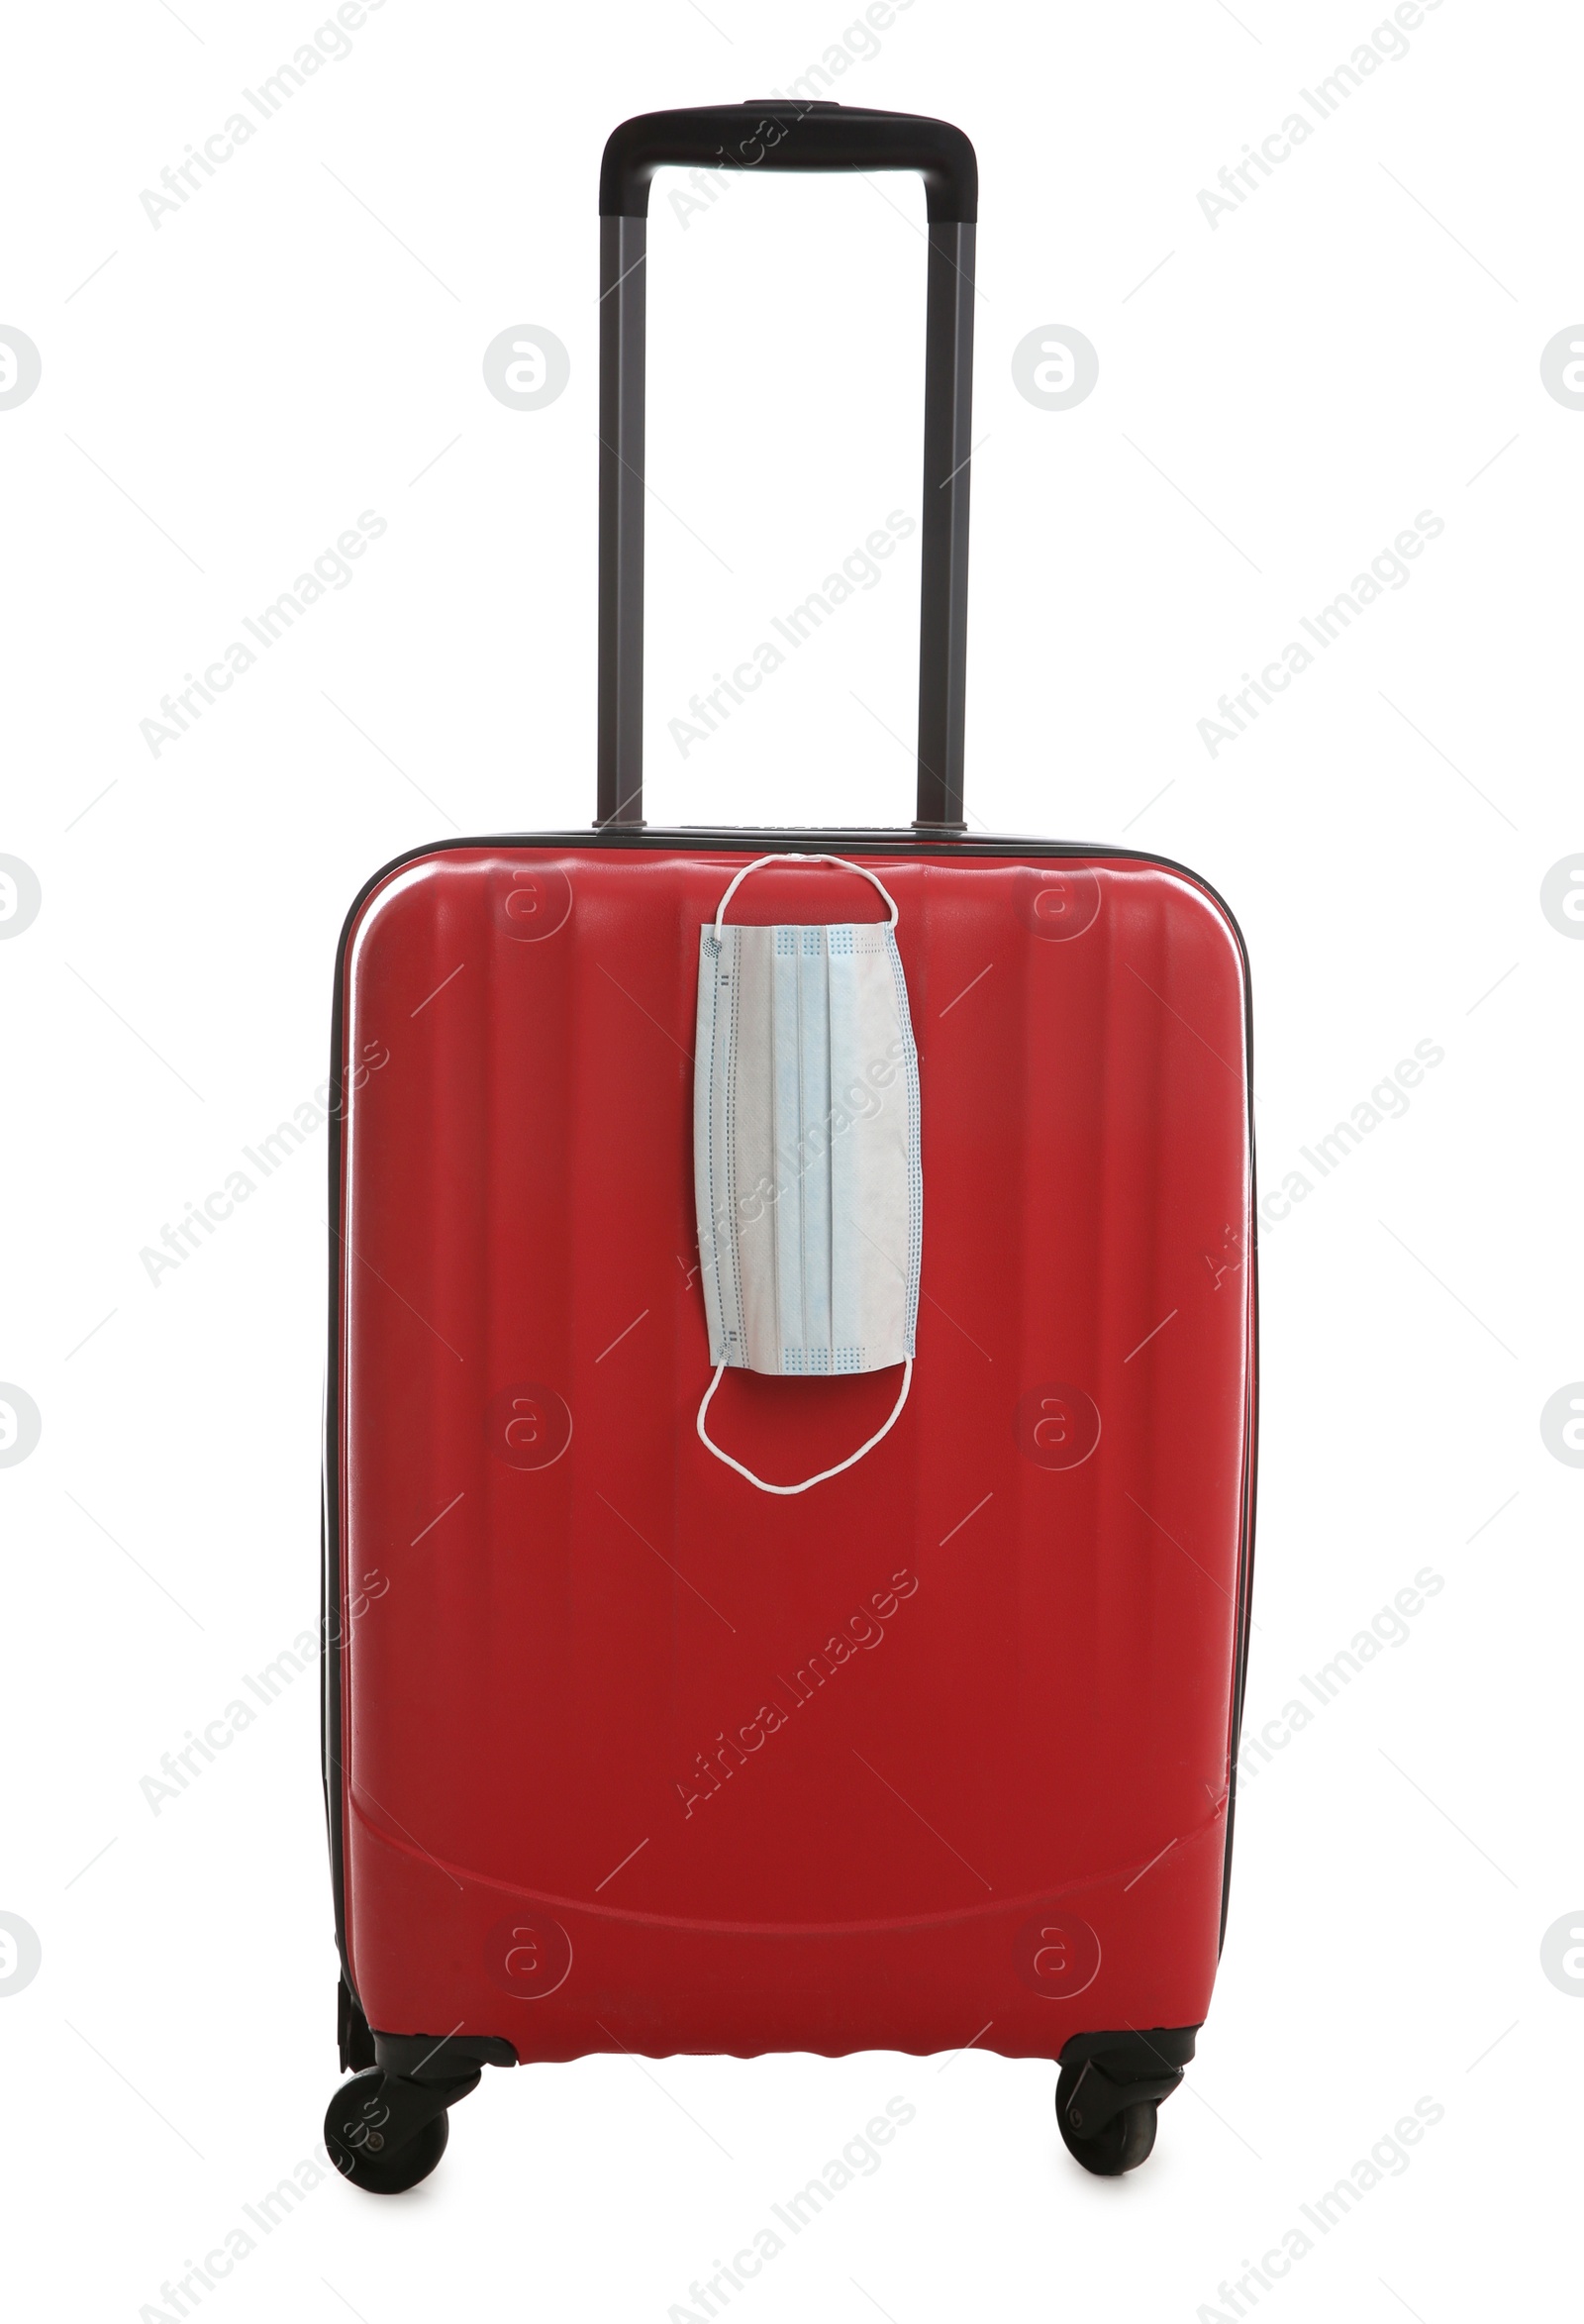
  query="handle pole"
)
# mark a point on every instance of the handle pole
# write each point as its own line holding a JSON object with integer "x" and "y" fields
{"x": 621, "y": 675}
{"x": 944, "y": 545}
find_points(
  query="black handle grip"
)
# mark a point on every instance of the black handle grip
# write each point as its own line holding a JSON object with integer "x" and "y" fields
{"x": 816, "y": 136}
{"x": 781, "y": 134}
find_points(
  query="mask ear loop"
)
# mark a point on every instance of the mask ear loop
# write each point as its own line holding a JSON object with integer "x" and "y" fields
{"x": 705, "y": 1438}
{"x": 759, "y": 862}
{"x": 851, "y": 1459}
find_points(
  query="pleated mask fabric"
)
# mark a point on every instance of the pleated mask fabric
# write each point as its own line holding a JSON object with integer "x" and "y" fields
{"x": 805, "y": 1128}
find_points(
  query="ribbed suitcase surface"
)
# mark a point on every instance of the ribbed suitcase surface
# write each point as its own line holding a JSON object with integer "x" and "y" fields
{"x": 631, "y": 1755}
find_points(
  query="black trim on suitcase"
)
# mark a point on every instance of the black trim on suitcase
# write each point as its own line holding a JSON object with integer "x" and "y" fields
{"x": 925, "y": 847}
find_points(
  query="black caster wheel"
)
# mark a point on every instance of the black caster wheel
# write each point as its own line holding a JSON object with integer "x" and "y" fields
{"x": 363, "y": 2144}
{"x": 1120, "y": 2143}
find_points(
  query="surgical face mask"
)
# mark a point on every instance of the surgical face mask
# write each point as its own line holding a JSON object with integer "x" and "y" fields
{"x": 806, "y": 1153}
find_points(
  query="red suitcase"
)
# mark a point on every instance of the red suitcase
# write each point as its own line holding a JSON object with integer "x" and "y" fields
{"x": 574, "y": 1802}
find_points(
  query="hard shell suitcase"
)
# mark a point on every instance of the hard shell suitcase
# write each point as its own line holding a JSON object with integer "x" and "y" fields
{"x": 574, "y": 1803}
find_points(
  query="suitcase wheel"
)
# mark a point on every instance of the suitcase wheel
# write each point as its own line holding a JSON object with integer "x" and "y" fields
{"x": 385, "y": 2132}
{"x": 1108, "y": 2122}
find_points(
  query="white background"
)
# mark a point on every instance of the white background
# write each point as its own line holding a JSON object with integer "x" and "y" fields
{"x": 1359, "y": 342}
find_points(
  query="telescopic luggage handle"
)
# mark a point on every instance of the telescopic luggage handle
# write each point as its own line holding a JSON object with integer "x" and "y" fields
{"x": 783, "y": 135}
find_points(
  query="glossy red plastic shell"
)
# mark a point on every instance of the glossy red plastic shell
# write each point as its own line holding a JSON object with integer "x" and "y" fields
{"x": 636, "y": 1756}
